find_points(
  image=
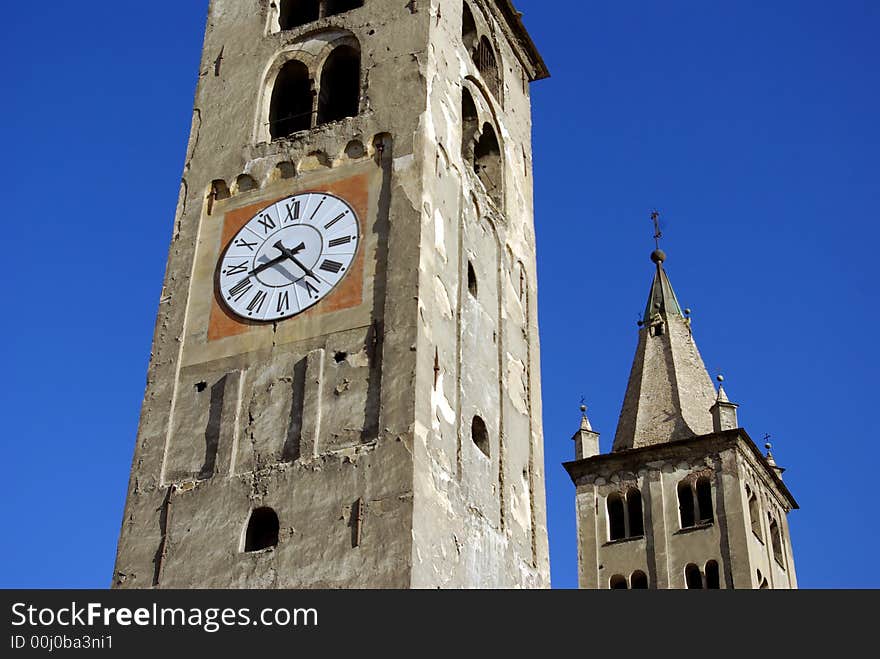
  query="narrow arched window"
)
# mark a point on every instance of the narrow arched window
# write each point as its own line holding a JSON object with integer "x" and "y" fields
{"x": 704, "y": 500}
{"x": 616, "y": 520}
{"x": 776, "y": 541}
{"x": 294, "y": 13}
{"x": 291, "y": 108}
{"x": 341, "y": 6}
{"x": 469, "y": 124}
{"x": 638, "y": 580}
{"x": 468, "y": 27}
{"x": 618, "y": 582}
{"x": 634, "y": 513}
{"x": 693, "y": 578}
{"x": 487, "y": 162}
{"x": 472, "y": 280}
{"x": 713, "y": 577}
{"x": 755, "y": 514}
{"x": 340, "y": 85}
{"x": 262, "y": 530}
{"x": 686, "y": 504}
{"x": 480, "y": 435}
{"x": 487, "y": 65}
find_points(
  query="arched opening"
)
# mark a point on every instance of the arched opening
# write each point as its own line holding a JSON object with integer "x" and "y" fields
{"x": 468, "y": 27}
{"x": 686, "y": 504}
{"x": 262, "y": 530}
{"x": 294, "y": 13}
{"x": 469, "y": 124}
{"x": 618, "y": 582}
{"x": 487, "y": 162}
{"x": 704, "y": 500}
{"x": 487, "y": 65}
{"x": 713, "y": 577}
{"x": 776, "y": 541}
{"x": 340, "y": 85}
{"x": 616, "y": 521}
{"x": 480, "y": 435}
{"x": 341, "y": 6}
{"x": 693, "y": 578}
{"x": 634, "y": 511}
{"x": 291, "y": 108}
{"x": 638, "y": 580}
{"x": 755, "y": 514}
{"x": 245, "y": 183}
{"x": 472, "y": 280}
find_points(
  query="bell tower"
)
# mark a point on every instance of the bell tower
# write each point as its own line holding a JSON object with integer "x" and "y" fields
{"x": 685, "y": 499}
{"x": 344, "y": 388}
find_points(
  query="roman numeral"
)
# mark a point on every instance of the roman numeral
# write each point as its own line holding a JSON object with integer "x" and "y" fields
{"x": 335, "y": 220}
{"x": 283, "y": 302}
{"x": 267, "y": 222}
{"x": 240, "y": 289}
{"x": 236, "y": 269}
{"x": 331, "y": 266}
{"x": 241, "y": 242}
{"x": 292, "y": 212}
{"x": 318, "y": 208}
{"x": 340, "y": 241}
{"x": 257, "y": 303}
{"x": 312, "y": 291}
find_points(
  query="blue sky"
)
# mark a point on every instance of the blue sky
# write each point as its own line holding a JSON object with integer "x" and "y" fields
{"x": 752, "y": 126}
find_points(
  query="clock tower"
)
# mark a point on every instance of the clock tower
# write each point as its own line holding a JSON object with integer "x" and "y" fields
{"x": 344, "y": 389}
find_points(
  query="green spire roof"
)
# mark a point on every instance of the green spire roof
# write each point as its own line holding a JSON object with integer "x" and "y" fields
{"x": 662, "y": 299}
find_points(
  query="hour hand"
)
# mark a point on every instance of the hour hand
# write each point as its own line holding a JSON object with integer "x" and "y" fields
{"x": 278, "y": 259}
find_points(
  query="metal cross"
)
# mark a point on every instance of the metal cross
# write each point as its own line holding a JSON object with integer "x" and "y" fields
{"x": 655, "y": 217}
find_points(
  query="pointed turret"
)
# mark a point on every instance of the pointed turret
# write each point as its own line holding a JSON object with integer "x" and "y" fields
{"x": 586, "y": 440}
{"x": 670, "y": 393}
{"x": 723, "y": 411}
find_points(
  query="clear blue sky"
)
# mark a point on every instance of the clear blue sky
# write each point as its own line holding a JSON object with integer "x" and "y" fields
{"x": 753, "y": 126}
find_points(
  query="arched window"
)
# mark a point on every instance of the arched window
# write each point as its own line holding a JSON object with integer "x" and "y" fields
{"x": 245, "y": 183}
{"x": 469, "y": 124}
{"x": 341, "y": 6}
{"x": 472, "y": 280}
{"x": 704, "y": 500}
{"x": 468, "y": 28}
{"x": 487, "y": 65}
{"x": 754, "y": 514}
{"x": 616, "y": 520}
{"x": 762, "y": 581}
{"x": 298, "y": 12}
{"x": 686, "y": 504}
{"x": 340, "y": 85}
{"x": 618, "y": 582}
{"x": 262, "y": 530}
{"x": 487, "y": 162}
{"x": 693, "y": 578}
{"x": 776, "y": 541}
{"x": 480, "y": 435}
{"x": 638, "y": 580}
{"x": 634, "y": 512}
{"x": 713, "y": 577}
{"x": 291, "y": 108}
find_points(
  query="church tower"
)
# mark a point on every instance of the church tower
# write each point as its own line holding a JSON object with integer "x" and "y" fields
{"x": 685, "y": 499}
{"x": 344, "y": 388}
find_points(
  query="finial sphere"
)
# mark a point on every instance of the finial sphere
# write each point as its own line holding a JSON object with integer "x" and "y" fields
{"x": 658, "y": 256}
{"x": 583, "y": 408}
{"x": 720, "y": 378}
{"x": 768, "y": 446}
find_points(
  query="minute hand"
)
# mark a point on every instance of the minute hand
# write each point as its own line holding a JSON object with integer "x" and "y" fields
{"x": 292, "y": 256}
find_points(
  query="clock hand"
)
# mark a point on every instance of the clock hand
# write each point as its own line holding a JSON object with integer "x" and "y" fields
{"x": 277, "y": 260}
{"x": 292, "y": 256}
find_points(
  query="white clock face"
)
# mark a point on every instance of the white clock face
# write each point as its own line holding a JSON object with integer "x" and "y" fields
{"x": 288, "y": 257}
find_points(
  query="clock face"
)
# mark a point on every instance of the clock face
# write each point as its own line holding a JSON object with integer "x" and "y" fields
{"x": 288, "y": 257}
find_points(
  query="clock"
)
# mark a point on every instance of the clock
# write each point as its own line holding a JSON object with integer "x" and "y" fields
{"x": 288, "y": 257}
